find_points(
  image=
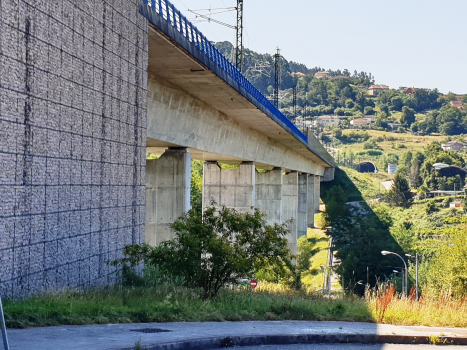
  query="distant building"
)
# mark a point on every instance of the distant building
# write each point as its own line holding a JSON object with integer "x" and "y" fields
{"x": 455, "y": 204}
{"x": 409, "y": 91}
{"x": 328, "y": 120}
{"x": 392, "y": 168}
{"x": 374, "y": 90}
{"x": 394, "y": 126}
{"x": 359, "y": 122}
{"x": 369, "y": 118}
{"x": 457, "y": 104}
{"x": 322, "y": 74}
{"x": 452, "y": 146}
{"x": 299, "y": 74}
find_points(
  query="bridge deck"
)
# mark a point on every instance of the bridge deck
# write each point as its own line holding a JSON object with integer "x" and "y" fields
{"x": 181, "y": 57}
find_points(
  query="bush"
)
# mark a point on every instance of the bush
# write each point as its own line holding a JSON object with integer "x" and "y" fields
{"x": 370, "y": 152}
{"x": 320, "y": 221}
{"x": 371, "y": 144}
{"x": 216, "y": 248}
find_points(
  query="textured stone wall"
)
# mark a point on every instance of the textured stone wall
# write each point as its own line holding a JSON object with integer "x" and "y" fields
{"x": 73, "y": 99}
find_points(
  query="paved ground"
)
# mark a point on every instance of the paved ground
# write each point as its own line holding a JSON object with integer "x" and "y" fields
{"x": 211, "y": 335}
{"x": 346, "y": 347}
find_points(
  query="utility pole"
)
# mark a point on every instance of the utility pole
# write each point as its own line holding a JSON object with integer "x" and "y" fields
{"x": 277, "y": 77}
{"x": 239, "y": 48}
{"x": 295, "y": 102}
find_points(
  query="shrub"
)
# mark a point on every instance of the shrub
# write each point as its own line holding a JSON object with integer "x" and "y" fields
{"x": 370, "y": 152}
{"x": 320, "y": 220}
{"x": 219, "y": 247}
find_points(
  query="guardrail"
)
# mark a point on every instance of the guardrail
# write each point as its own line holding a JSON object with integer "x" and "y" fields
{"x": 170, "y": 13}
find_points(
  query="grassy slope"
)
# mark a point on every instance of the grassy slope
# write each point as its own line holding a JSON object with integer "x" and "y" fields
{"x": 357, "y": 186}
{"x": 408, "y": 142}
{"x": 313, "y": 279}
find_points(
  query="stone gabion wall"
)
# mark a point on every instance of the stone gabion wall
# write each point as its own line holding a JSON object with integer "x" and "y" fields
{"x": 73, "y": 99}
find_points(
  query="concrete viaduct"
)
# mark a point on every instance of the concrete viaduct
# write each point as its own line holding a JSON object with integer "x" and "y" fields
{"x": 86, "y": 89}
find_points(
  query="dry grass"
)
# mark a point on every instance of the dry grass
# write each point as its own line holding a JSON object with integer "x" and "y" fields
{"x": 442, "y": 311}
{"x": 411, "y": 142}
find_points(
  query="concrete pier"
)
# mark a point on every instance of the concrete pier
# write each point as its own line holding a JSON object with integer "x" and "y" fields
{"x": 233, "y": 188}
{"x": 290, "y": 207}
{"x": 302, "y": 217}
{"x": 317, "y": 191}
{"x": 269, "y": 194}
{"x": 168, "y": 181}
{"x": 311, "y": 201}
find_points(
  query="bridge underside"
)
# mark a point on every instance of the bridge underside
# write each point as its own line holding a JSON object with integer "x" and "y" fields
{"x": 190, "y": 106}
{"x": 193, "y": 113}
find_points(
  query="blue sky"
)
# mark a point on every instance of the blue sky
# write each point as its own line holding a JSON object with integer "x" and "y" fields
{"x": 401, "y": 42}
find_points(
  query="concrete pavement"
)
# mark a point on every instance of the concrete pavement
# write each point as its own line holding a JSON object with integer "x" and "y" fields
{"x": 212, "y": 335}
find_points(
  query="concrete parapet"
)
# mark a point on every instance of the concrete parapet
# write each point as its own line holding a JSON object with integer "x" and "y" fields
{"x": 168, "y": 182}
{"x": 269, "y": 194}
{"x": 233, "y": 188}
{"x": 290, "y": 207}
{"x": 302, "y": 217}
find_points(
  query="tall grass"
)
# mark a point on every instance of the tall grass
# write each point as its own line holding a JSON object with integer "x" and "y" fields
{"x": 171, "y": 303}
{"x": 430, "y": 310}
{"x": 167, "y": 303}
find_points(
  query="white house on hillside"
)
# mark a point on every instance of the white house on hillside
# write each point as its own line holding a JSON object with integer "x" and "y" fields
{"x": 452, "y": 146}
{"x": 328, "y": 120}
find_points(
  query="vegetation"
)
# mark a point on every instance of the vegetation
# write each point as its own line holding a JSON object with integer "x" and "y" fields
{"x": 215, "y": 248}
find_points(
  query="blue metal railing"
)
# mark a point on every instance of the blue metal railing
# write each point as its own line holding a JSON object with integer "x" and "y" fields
{"x": 170, "y": 13}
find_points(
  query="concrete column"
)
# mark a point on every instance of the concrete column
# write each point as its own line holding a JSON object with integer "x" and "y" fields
{"x": 269, "y": 194}
{"x": 168, "y": 182}
{"x": 234, "y": 188}
{"x": 302, "y": 219}
{"x": 317, "y": 192}
{"x": 311, "y": 201}
{"x": 290, "y": 207}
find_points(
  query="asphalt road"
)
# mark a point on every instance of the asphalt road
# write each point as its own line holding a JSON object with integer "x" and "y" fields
{"x": 345, "y": 346}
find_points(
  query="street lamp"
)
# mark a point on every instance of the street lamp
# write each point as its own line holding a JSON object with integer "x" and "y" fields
{"x": 416, "y": 273}
{"x": 385, "y": 252}
{"x": 402, "y": 278}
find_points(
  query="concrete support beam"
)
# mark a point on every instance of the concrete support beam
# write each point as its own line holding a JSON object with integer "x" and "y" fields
{"x": 311, "y": 201}
{"x": 290, "y": 207}
{"x": 317, "y": 192}
{"x": 202, "y": 127}
{"x": 302, "y": 218}
{"x": 168, "y": 182}
{"x": 269, "y": 194}
{"x": 234, "y": 188}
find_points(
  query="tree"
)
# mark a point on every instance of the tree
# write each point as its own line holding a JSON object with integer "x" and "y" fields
{"x": 408, "y": 116}
{"x": 369, "y": 110}
{"x": 335, "y": 200}
{"x": 399, "y": 194}
{"x": 219, "y": 247}
{"x": 451, "y": 96}
{"x": 336, "y": 132}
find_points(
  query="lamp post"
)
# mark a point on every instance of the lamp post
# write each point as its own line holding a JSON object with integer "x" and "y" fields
{"x": 416, "y": 273}
{"x": 402, "y": 277}
{"x": 385, "y": 252}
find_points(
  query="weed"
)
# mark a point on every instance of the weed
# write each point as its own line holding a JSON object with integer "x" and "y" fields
{"x": 138, "y": 345}
{"x": 383, "y": 299}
